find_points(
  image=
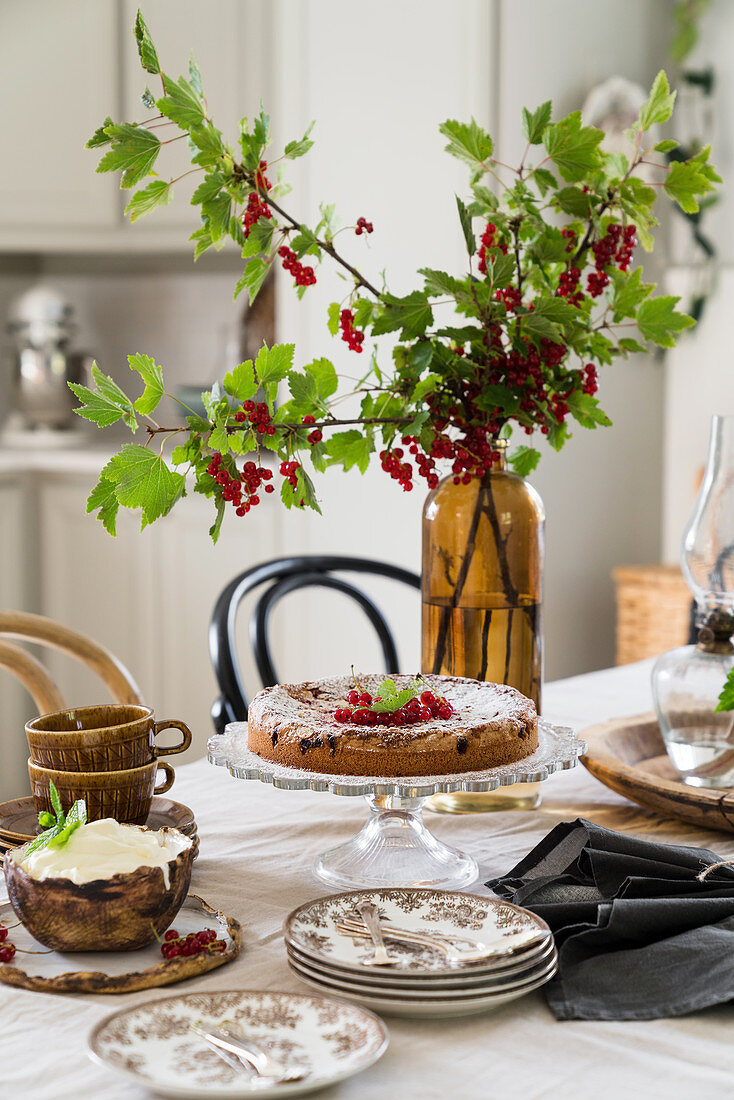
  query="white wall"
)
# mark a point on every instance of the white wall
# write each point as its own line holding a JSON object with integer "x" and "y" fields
{"x": 378, "y": 103}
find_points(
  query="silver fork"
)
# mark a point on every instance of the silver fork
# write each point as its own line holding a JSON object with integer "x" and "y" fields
{"x": 453, "y": 956}
{"x": 381, "y": 957}
{"x": 245, "y": 1055}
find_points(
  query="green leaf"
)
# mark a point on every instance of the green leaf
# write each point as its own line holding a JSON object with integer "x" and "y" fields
{"x": 208, "y": 189}
{"x": 43, "y": 839}
{"x": 534, "y": 124}
{"x": 666, "y": 146}
{"x": 272, "y": 364}
{"x": 253, "y": 277}
{"x": 143, "y": 480}
{"x": 156, "y": 193}
{"x": 348, "y": 449}
{"x": 659, "y": 105}
{"x": 216, "y": 214}
{"x": 152, "y": 376}
{"x": 659, "y": 321}
{"x": 544, "y": 180}
{"x": 100, "y": 135}
{"x": 219, "y": 440}
{"x": 103, "y": 500}
{"x": 467, "y": 141}
{"x": 631, "y": 292}
{"x": 412, "y": 314}
{"x": 523, "y": 460}
{"x": 203, "y": 240}
{"x": 438, "y": 284}
{"x": 333, "y": 322}
{"x": 56, "y": 802}
{"x": 134, "y": 152}
{"x": 195, "y": 75}
{"x": 466, "y": 226}
{"x": 62, "y": 837}
{"x": 297, "y": 148}
{"x": 324, "y": 375}
{"x": 574, "y": 201}
{"x": 146, "y": 49}
{"x": 94, "y": 406}
{"x": 216, "y": 527}
{"x": 573, "y": 148}
{"x": 241, "y": 383}
{"x": 209, "y": 143}
{"x": 181, "y": 103}
{"x": 585, "y": 409}
{"x": 726, "y": 698}
{"x": 685, "y": 181}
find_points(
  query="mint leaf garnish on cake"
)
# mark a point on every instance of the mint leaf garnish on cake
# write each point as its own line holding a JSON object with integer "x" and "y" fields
{"x": 58, "y": 826}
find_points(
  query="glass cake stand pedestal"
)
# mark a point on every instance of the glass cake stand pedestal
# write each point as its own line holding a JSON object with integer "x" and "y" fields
{"x": 395, "y": 847}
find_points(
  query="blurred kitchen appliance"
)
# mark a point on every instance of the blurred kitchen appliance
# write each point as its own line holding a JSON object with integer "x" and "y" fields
{"x": 40, "y": 326}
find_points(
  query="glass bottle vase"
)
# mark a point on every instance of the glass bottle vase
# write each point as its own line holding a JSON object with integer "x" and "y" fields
{"x": 482, "y": 570}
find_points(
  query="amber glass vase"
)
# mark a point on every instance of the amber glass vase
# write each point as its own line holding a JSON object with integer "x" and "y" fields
{"x": 482, "y": 571}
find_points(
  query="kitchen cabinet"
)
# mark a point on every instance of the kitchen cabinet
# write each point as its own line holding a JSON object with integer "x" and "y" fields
{"x": 58, "y": 78}
{"x": 64, "y": 66}
{"x": 147, "y": 596}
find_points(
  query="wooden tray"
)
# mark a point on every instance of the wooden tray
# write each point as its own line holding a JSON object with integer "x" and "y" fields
{"x": 629, "y": 756}
{"x": 116, "y": 971}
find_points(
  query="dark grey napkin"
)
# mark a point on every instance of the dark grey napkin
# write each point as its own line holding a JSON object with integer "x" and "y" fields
{"x": 638, "y": 936}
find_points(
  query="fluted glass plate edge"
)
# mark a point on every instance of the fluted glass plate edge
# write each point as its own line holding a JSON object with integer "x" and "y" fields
{"x": 558, "y": 750}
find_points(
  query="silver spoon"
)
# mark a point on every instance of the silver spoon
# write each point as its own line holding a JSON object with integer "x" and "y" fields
{"x": 381, "y": 957}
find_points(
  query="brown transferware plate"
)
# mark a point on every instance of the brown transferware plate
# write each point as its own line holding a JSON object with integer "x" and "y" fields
{"x": 117, "y": 972}
{"x": 628, "y": 755}
{"x": 19, "y": 818}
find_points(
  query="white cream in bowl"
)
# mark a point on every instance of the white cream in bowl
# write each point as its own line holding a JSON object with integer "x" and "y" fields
{"x": 105, "y": 848}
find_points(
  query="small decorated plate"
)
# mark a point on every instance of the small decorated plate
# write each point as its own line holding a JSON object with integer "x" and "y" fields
{"x": 19, "y": 818}
{"x": 34, "y": 967}
{"x": 152, "y": 1044}
{"x": 312, "y": 928}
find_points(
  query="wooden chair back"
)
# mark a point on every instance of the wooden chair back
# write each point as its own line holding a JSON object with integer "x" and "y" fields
{"x": 35, "y": 678}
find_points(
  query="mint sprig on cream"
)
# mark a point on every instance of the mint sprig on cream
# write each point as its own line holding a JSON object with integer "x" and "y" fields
{"x": 58, "y": 826}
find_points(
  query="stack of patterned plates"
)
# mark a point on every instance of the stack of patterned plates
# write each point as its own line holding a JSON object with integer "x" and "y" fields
{"x": 19, "y": 821}
{"x": 328, "y": 947}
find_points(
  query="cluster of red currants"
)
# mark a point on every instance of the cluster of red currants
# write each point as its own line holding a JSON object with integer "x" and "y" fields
{"x": 7, "y": 949}
{"x": 195, "y": 943}
{"x": 615, "y": 247}
{"x": 303, "y": 275}
{"x": 233, "y": 485}
{"x": 316, "y": 435}
{"x": 363, "y": 226}
{"x": 568, "y": 286}
{"x": 488, "y": 240}
{"x": 425, "y": 709}
{"x": 353, "y": 337}
{"x": 510, "y": 296}
{"x": 289, "y": 470}
{"x": 256, "y": 208}
{"x": 258, "y": 415}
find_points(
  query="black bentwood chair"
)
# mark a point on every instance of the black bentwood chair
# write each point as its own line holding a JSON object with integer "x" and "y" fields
{"x": 285, "y": 575}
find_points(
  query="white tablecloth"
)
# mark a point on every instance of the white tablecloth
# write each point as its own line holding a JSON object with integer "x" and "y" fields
{"x": 257, "y": 845}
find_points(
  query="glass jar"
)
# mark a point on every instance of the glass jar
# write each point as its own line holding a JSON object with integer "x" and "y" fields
{"x": 483, "y": 546}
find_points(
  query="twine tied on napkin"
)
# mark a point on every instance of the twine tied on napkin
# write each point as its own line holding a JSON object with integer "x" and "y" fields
{"x": 642, "y": 931}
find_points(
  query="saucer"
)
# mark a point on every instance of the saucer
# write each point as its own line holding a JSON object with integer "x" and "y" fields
{"x": 19, "y": 818}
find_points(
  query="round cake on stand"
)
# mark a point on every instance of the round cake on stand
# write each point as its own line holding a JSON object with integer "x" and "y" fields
{"x": 395, "y": 848}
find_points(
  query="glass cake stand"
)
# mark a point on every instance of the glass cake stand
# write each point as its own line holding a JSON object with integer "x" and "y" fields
{"x": 395, "y": 848}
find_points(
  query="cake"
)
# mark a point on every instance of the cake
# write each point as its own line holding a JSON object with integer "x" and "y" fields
{"x": 295, "y": 725}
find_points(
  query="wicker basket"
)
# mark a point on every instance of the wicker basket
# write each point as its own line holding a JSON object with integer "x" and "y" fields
{"x": 653, "y": 610}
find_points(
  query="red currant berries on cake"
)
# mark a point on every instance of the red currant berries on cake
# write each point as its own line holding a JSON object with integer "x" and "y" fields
{"x": 393, "y": 709}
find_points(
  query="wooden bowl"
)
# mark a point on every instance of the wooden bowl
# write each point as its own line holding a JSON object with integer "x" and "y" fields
{"x": 628, "y": 755}
{"x": 125, "y": 795}
{"x": 121, "y": 913}
{"x": 104, "y": 738}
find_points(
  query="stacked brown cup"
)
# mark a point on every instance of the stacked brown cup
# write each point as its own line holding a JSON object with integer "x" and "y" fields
{"x": 106, "y": 755}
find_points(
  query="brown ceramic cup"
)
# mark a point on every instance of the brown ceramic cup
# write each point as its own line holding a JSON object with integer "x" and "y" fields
{"x": 125, "y": 795}
{"x": 106, "y": 738}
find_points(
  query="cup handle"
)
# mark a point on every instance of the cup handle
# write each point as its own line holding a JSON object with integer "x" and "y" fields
{"x": 170, "y": 776}
{"x": 172, "y": 723}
